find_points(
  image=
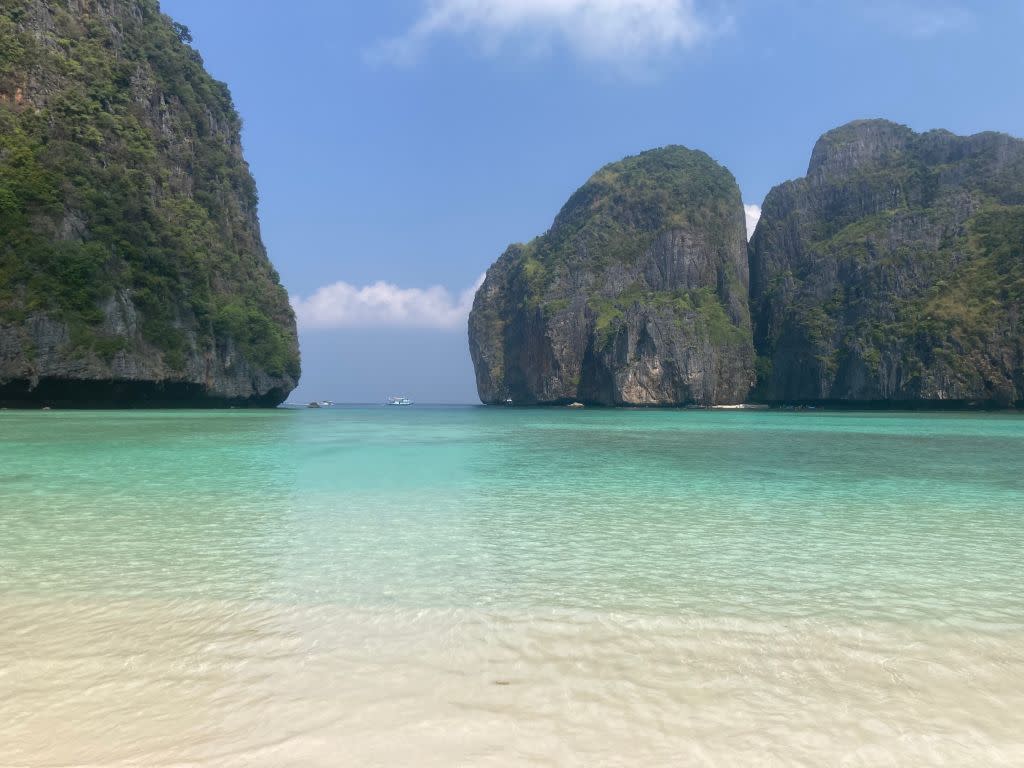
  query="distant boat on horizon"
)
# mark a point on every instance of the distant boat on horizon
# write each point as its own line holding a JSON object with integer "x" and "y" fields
{"x": 399, "y": 400}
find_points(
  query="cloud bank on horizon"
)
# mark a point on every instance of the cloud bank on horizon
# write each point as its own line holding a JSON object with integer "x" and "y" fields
{"x": 384, "y": 305}
{"x": 596, "y": 30}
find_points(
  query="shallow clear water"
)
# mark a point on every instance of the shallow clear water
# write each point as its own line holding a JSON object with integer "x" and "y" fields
{"x": 445, "y": 586}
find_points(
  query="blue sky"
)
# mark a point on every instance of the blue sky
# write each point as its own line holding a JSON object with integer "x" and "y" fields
{"x": 400, "y": 145}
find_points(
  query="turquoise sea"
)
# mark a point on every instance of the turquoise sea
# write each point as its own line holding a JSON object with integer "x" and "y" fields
{"x": 472, "y": 586}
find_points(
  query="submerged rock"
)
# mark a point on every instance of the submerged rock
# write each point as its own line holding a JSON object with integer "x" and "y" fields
{"x": 637, "y": 295}
{"x": 131, "y": 266}
{"x": 893, "y": 273}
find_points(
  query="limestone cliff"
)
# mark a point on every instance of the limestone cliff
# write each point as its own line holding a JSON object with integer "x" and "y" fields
{"x": 131, "y": 266}
{"x": 637, "y": 295}
{"x": 893, "y": 273}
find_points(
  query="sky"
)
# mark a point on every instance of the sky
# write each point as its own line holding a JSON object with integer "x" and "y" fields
{"x": 400, "y": 146}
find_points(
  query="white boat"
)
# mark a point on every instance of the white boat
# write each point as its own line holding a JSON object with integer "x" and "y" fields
{"x": 399, "y": 400}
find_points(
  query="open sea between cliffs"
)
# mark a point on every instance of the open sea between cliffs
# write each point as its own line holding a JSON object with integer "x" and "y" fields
{"x": 472, "y": 586}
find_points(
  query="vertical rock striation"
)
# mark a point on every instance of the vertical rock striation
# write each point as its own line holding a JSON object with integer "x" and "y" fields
{"x": 131, "y": 266}
{"x": 637, "y": 295}
{"x": 893, "y": 273}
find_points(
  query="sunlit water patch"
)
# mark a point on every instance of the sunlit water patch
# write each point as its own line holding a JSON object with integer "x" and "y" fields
{"x": 446, "y": 586}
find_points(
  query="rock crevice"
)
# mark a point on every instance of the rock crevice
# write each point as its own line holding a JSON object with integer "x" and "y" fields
{"x": 893, "y": 272}
{"x": 637, "y": 295}
{"x": 131, "y": 264}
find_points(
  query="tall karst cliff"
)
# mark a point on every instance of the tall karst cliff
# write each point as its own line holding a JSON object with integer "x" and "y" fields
{"x": 894, "y": 272}
{"x": 131, "y": 266}
{"x": 637, "y": 295}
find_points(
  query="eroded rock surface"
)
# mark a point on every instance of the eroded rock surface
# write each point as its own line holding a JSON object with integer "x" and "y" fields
{"x": 132, "y": 270}
{"x": 893, "y": 273}
{"x": 637, "y": 295}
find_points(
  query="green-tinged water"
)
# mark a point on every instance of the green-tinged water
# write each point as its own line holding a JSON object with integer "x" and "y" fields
{"x": 539, "y": 580}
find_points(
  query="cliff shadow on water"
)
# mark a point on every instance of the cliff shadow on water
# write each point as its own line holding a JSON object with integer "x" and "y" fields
{"x": 132, "y": 269}
{"x": 119, "y": 394}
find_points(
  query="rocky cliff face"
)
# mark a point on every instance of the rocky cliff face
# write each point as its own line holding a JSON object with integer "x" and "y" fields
{"x": 894, "y": 272}
{"x": 131, "y": 266}
{"x": 637, "y": 295}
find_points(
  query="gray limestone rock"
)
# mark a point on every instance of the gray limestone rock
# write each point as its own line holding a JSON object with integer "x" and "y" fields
{"x": 637, "y": 295}
{"x": 893, "y": 273}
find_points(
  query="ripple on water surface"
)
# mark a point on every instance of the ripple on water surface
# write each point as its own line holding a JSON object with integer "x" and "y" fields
{"x": 446, "y": 586}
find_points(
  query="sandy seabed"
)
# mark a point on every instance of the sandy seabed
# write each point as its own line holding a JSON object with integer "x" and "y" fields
{"x": 87, "y": 682}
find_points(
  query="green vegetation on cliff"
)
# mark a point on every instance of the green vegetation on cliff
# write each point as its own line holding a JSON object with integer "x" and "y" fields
{"x": 121, "y": 173}
{"x": 980, "y": 302}
{"x": 893, "y": 271}
{"x": 616, "y": 216}
{"x": 636, "y": 295}
{"x": 701, "y": 304}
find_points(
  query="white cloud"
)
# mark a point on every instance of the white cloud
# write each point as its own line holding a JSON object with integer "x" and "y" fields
{"x": 598, "y": 30}
{"x": 753, "y": 216}
{"x": 384, "y": 305}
